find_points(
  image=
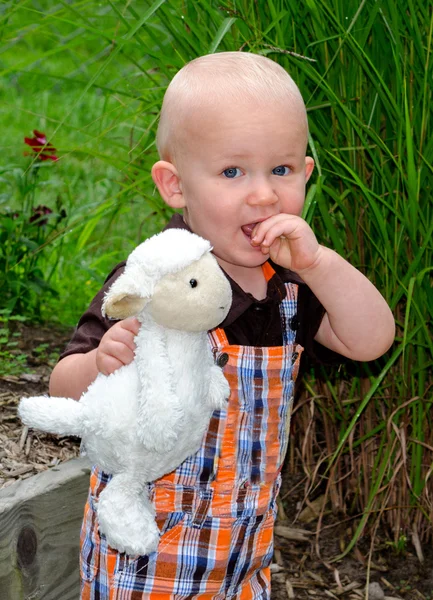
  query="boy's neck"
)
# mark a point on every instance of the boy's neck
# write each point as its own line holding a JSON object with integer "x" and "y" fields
{"x": 250, "y": 279}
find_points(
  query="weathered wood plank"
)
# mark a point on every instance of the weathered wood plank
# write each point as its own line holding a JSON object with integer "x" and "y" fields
{"x": 40, "y": 520}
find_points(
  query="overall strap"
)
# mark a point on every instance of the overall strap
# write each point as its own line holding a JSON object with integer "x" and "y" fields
{"x": 289, "y": 314}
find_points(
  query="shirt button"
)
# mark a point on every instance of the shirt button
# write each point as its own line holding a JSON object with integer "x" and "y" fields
{"x": 222, "y": 360}
{"x": 294, "y": 322}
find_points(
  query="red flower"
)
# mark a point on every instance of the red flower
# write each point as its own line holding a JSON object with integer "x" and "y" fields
{"x": 41, "y": 146}
{"x": 39, "y": 212}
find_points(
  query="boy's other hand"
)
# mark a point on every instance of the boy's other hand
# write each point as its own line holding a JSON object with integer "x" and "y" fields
{"x": 117, "y": 346}
{"x": 289, "y": 241}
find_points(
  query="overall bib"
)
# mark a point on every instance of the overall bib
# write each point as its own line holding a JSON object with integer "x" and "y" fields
{"x": 216, "y": 511}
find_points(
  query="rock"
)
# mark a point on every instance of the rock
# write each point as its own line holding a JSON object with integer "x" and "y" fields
{"x": 375, "y": 592}
{"x": 313, "y": 510}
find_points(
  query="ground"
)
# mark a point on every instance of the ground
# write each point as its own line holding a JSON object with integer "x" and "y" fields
{"x": 303, "y": 567}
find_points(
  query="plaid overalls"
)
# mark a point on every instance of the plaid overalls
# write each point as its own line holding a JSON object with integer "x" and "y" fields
{"x": 216, "y": 511}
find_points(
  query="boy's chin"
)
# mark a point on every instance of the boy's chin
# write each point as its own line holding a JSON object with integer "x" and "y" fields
{"x": 255, "y": 257}
{"x": 251, "y": 262}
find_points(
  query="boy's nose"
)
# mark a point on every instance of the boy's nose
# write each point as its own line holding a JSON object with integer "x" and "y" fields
{"x": 262, "y": 194}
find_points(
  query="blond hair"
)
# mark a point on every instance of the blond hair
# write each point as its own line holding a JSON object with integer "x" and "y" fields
{"x": 225, "y": 76}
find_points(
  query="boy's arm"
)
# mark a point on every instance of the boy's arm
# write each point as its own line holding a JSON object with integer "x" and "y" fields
{"x": 73, "y": 374}
{"x": 358, "y": 322}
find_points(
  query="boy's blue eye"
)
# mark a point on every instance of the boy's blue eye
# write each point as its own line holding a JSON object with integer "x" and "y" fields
{"x": 281, "y": 170}
{"x": 232, "y": 172}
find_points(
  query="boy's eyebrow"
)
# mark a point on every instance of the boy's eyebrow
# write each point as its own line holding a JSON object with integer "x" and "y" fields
{"x": 287, "y": 156}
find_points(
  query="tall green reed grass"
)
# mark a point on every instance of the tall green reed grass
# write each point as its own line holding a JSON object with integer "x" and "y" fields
{"x": 93, "y": 75}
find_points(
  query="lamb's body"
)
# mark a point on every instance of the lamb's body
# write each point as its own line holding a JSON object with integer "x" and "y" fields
{"x": 110, "y": 408}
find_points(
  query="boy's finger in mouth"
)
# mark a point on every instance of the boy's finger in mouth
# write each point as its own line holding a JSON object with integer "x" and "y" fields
{"x": 250, "y": 230}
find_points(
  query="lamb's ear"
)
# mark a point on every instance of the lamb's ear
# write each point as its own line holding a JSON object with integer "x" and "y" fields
{"x": 122, "y": 306}
{"x": 126, "y": 297}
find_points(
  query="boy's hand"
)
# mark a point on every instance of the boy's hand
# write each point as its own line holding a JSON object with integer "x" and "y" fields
{"x": 117, "y": 346}
{"x": 289, "y": 241}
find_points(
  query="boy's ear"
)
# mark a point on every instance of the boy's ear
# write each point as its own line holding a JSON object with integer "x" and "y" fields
{"x": 309, "y": 166}
{"x": 167, "y": 180}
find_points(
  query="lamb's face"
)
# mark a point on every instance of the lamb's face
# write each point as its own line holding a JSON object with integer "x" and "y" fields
{"x": 197, "y": 298}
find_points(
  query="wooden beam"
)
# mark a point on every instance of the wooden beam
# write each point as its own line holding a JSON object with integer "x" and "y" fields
{"x": 40, "y": 521}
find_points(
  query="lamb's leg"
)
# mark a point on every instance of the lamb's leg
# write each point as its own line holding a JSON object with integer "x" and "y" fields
{"x": 126, "y": 516}
{"x": 219, "y": 389}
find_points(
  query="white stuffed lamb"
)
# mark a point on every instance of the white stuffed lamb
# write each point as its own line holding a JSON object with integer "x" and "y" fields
{"x": 144, "y": 419}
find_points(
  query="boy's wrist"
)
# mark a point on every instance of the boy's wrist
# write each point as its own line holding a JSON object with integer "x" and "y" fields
{"x": 325, "y": 257}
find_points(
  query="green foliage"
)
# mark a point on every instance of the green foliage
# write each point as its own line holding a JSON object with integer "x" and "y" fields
{"x": 92, "y": 76}
{"x": 399, "y": 546}
{"x": 12, "y": 360}
{"x": 23, "y": 233}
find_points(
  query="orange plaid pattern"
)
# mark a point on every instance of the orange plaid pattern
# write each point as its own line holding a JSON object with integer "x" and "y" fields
{"x": 216, "y": 511}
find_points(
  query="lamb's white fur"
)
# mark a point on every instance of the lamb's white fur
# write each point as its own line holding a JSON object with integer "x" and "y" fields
{"x": 144, "y": 419}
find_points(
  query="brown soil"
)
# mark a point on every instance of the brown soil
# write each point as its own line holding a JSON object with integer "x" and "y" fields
{"x": 303, "y": 568}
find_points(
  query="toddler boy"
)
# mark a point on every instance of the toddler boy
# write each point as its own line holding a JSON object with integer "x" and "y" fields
{"x": 232, "y": 141}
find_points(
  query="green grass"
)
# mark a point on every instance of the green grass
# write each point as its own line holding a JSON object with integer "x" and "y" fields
{"x": 92, "y": 75}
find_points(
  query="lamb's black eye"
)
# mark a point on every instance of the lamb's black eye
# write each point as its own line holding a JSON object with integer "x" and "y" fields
{"x": 193, "y": 283}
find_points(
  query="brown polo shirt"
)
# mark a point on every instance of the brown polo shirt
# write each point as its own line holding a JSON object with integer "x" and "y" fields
{"x": 250, "y": 322}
